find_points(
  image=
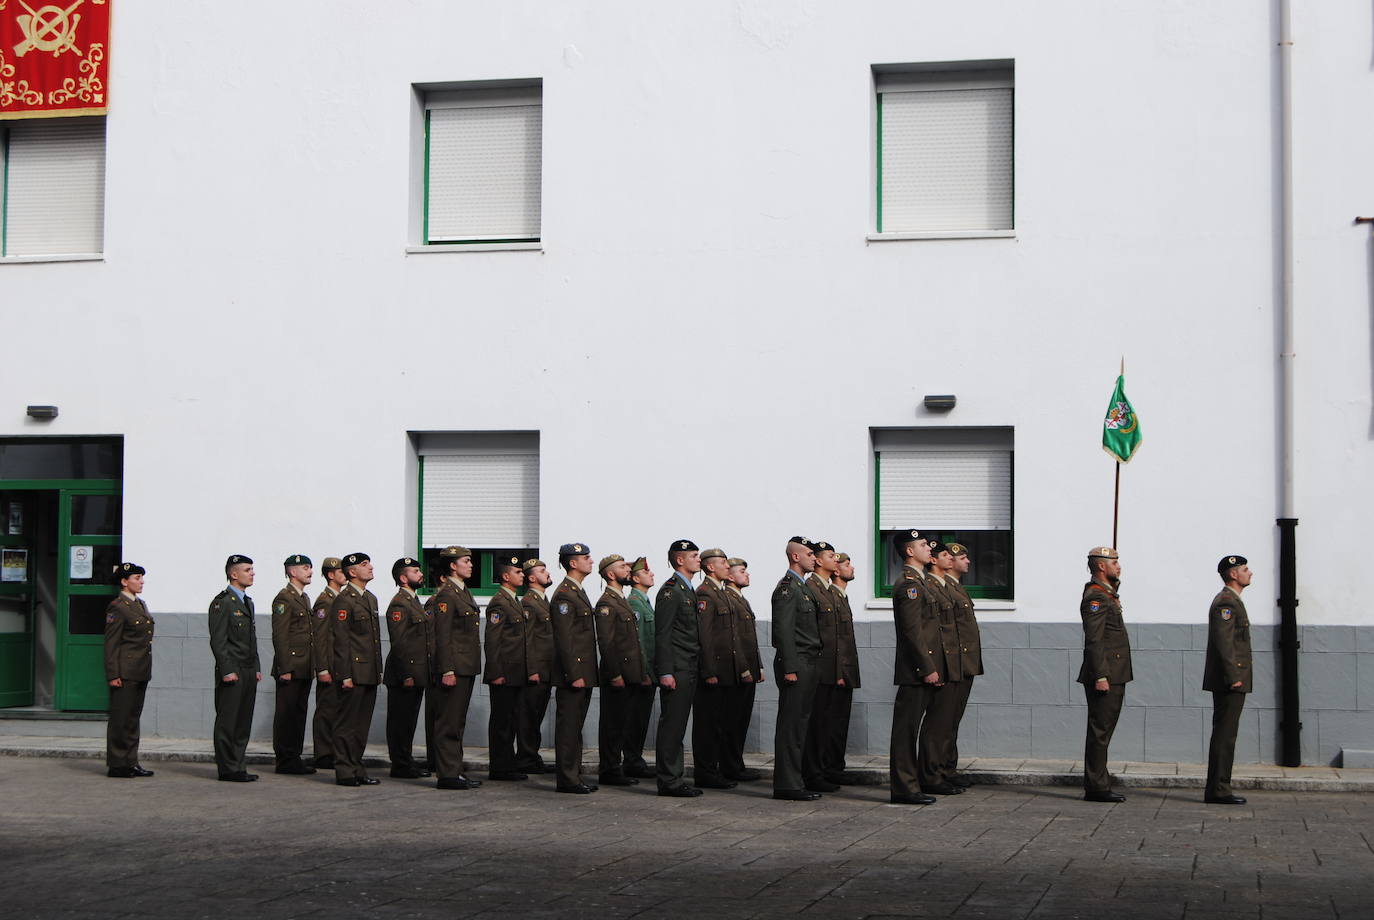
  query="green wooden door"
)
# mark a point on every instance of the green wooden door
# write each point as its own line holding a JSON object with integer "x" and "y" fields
{"x": 89, "y": 523}
{"x": 18, "y": 562}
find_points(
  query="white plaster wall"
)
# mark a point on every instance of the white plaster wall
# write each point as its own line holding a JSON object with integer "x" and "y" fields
{"x": 707, "y": 337}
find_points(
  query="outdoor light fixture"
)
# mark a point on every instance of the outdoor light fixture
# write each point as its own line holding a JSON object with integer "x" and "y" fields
{"x": 43, "y": 413}
{"x": 940, "y": 403}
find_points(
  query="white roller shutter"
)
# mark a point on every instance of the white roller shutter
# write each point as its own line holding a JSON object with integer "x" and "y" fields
{"x": 948, "y": 489}
{"x": 55, "y": 187}
{"x": 481, "y": 500}
{"x": 947, "y": 160}
{"x": 485, "y": 167}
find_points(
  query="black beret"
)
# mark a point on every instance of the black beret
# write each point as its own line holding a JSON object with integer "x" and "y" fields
{"x": 907, "y": 537}
{"x": 237, "y": 559}
{"x": 936, "y": 548}
{"x": 404, "y": 562}
{"x": 356, "y": 559}
{"x": 297, "y": 559}
{"x": 574, "y": 549}
{"x": 1230, "y": 562}
{"x": 125, "y": 569}
{"x": 683, "y": 546}
{"x": 819, "y": 546}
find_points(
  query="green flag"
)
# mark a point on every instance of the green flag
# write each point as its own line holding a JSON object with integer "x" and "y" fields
{"x": 1121, "y": 428}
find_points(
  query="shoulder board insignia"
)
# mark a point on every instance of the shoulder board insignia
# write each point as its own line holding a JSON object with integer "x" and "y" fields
{"x": 494, "y": 617}
{"x": 1226, "y": 613}
{"x": 343, "y": 615}
{"x": 395, "y": 616}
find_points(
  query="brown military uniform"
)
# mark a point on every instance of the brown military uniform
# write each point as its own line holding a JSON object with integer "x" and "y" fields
{"x": 828, "y": 735}
{"x": 937, "y": 731}
{"x": 919, "y": 653}
{"x": 411, "y": 657}
{"x": 357, "y": 657}
{"x": 291, "y": 647}
{"x": 507, "y": 643}
{"x": 970, "y": 651}
{"x": 710, "y": 725}
{"x": 457, "y": 651}
{"x": 326, "y": 694}
{"x": 574, "y": 639}
{"x": 617, "y": 640}
{"x": 533, "y": 702}
{"x": 739, "y": 707}
{"x": 1229, "y": 660}
{"x": 1106, "y": 653}
{"x": 128, "y": 658}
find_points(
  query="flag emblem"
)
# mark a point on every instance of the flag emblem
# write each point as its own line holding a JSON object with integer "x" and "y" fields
{"x": 1094, "y": 606}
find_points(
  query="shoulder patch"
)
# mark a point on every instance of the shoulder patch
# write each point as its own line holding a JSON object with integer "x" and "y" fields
{"x": 110, "y": 617}
{"x": 913, "y": 592}
{"x": 1226, "y": 613}
{"x": 395, "y": 616}
{"x": 281, "y": 608}
{"x": 1094, "y": 606}
{"x": 494, "y": 617}
{"x": 563, "y": 607}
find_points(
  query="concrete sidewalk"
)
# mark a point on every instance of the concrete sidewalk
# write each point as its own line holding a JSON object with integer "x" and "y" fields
{"x": 867, "y": 770}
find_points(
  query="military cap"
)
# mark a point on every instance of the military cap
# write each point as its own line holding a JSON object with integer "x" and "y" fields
{"x": 531, "y": 564}
{"x": 682, "y": 546}
{"x": 509, "y": 560}
{"x": 331, "y": 564}
{"x": 936, "y": 548}
{"x": 297, "y": 559}
{"x": 1230, "y": 562}
{"x": 356, "y": 559}
{"x": 454, "y": 552}
{"x": 841, "y": 557}
{"x": 639, "y": 565}
{"x": 574, "y": 549}
{"x": 802, "y": 540}
{"x": 735, "y": 560}
{"x": 957, "y": 549}
{"x": 609, "y": 561}
{"x": 1102, "y": 552}
{"x": 128, "y": 569}
{"x": 404, "y": 562}
{"x": 713, "y": 553}
{"x": 906, "y": 537}
{"x": 237, "y": 559}
{"x": 819, "y": 546}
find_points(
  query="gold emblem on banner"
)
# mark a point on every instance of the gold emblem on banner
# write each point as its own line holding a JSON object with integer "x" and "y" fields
{"x": 48, "y": 28}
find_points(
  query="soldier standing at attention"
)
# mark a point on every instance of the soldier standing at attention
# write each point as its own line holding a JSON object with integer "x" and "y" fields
{"x": 574, "y": 639}
{"x": 829, "y": 670}
{"x": 322, "y": 646}
{"x": 797, "y": 640}
{"x": 717, "y": 678}
{"x": 128, "y": 668}
{"x": 739, "y": 711}
{"x": 916, "y": 669}
{"x": 409, "y": 666}
{"x": 357, "y": 666}
{"x": 291, "y": 654}
{"x": 937, "y": 731}
{"x": 1106, "y": 668}
{"x": 508, "y": 670}
{"x": 534, "y": 696}
{"x": 1227, "y": 674}
{"x": 970, "y": 652}
{"x": 458, "y": 659}
{"x": 624, "y": 671}
{"x": 234, "y": 643}
{"x": 641, "y": 707}
{"x": 677, "y": 646}
{"x": 831, "y": 745}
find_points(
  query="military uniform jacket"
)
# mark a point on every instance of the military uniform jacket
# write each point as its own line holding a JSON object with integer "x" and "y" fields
{"x": 847, "y": 646}
{"x": 322, "y": 635}
{"x": 574, "y": 635}
{"x": 831, "y": 662}
{"x": 411, "y": 630}
{"x": 457, "y": 630}
{"x": 1106, "y": 647}
{"x": 795, "y": 632}
{"x": 233, "y": 636}
{"x": 617, "y": 640}
{"x": 747, "y": 656}
{"x": 507, "y": 641}
{"x": 291, "y": 621}
{"x": 917, "y": 618}
{"x": 677, "y": 643}
{"x": 716, "y": 626}
{"x": 128, "y": 639}
{"x": 1228, "y": 644}
{"x": 966, "y": 625}
{"x": 944, "y": 598}
{"x": 357, "y": 637}
{"x": 540, "y": 628}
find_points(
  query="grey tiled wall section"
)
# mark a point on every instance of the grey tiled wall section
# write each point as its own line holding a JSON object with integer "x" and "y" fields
{"x": 1028, "y": 704}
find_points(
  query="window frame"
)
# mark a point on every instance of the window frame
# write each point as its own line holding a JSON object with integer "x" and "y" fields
{"x": 7, "y": 128}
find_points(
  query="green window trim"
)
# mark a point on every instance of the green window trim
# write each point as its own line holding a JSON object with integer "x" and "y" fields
{"x": 880, "y": 162}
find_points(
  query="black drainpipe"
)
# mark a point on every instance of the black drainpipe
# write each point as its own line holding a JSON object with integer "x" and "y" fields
{"x": 1290, "y": 728}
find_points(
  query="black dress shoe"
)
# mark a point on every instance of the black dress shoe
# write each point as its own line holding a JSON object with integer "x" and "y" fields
{"x": 533, "y": 769}
{"x": 368, "y": 781}
{"x": 943, "y": 789}
{"x": 454, "y": 782}
{"x": 409, "y": 773}
{"x": 617, "y": 779}
{"x": 1107, "y": 796}
{"x": 123, "y": 773}
{"x": 747, "y": 775}
{"x": 139, "y": 771}
{"x": 640, "y": 771}
{"x": 323, "y": 763}
{"x": 841, "y": 779}
{"x": 508, "y": 776}
{"x": 795, "y": 795}
{"x": 1224, "y": 800}
{"x": 820, "y": 784}
{"x": 960, "y": 780}
{"x": 347, "y": 781}
{"x": 915, "y": 798}
{"x": 295, "y": 769}
{"x": 579, "y": 789}
{"x": 713, "y": 782}
{"x": 239, "y": 777}
{"x": 683, "y": 791}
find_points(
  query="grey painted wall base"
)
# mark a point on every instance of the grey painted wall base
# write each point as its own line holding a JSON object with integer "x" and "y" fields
{"x": 1026, "y": 705}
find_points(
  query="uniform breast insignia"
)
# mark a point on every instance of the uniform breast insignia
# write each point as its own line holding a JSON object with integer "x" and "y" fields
{"x": 1226, "y": 613}
{"x": 494, "y": 617}
{"x": 1094, "y": 606}
{"x": 395, "y": 616}
{"x": 343, "y": 615}
{"x": 238, "y": 613}
{"x": 701, "y": 605}
{"x": 563, "y": 607}
{"x": 443, "y": 607}
{"x": 913, "y": 593}
{"x": 320, "y": 614}
{"x": 603, "y": 610}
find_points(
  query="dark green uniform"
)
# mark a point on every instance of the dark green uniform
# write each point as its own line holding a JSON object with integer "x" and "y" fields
{"x": 457, "y": 651}
{"x": 970, "y": 647}
{"x": 1106, "y": 653}
{"x": 506, "y": 642}
{"x": 739, "y": 711}
{"x": 129, "y": 659}
{"x": 533, "y": 702}
{"x": 326, "y": 694}
{"x": 617, "y": 639}
{"x": 357, "y": 657}
{"x": 291, "y": 654}
{"x": 641, "y": 708}
{"x": 574, "y": 641}
{"x": 1229, "y": 661}
{"x": 234, "y": 643}
{"x": 937, "y": 731}
{"x": 797, "y": 641}
{"x": 677, "y": 646}
{"x": 918, "y": 654}
{"x": 710, "y": 738}
{"x": 411, "y": 657}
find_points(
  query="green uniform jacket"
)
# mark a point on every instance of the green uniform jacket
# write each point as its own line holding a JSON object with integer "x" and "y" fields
{"x": 574, "y": 635}
{"x": 457, "y": 630}
{"x": 794, "y": 623}
{"x": 716, "y": 626}
{"x": 847, "y": 648}
{"x": 506, "y": 641}
{"x": 917, "y": 618}
{"x": 966, "y": 624}
{"x": 944, "y": 599}
{"x": 747, "y": 656}
{"x": 1228, "y": 644}
{"x": 291, "y": 621}
{"x": 128, "y": 639}
{"x": 677, "y": 644}
{"x": 617, "y": 640}
{"x": 322, "y": 634}
{"x": 1106, "y": 647}
{"x": 357, "y": 638}
{"x": 411, "y": 630}
{"x": 639, "y": 603}
{"x": 233, "y": 636}
{"x": 542, "y": 655}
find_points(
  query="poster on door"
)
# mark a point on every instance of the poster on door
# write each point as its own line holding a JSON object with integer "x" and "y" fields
{"x": 82, "y": 562}
{"x": 14, "y": 565}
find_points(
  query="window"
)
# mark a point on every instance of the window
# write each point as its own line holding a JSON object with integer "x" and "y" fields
{"x": 479, "y": 490}
{"x": 951, "y": 483}
{"x": 944, "y": 157}
{"x": 483, "y": 161}
{"x": 52, "y": 200}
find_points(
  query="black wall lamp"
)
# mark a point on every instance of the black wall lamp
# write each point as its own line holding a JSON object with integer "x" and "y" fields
{"x": 43, "y": 413}
{"x": 942, "y": 403}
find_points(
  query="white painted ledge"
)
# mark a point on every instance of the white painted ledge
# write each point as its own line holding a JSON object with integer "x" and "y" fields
{"x": 943, "y": 235}
{"x": 473, "y": 247}
{"x": 60, "y": 257}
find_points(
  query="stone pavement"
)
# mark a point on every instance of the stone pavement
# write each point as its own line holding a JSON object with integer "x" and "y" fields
{"x": 181, "y": 845}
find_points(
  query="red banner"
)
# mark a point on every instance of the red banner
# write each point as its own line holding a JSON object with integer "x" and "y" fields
{"x": 54, "y": 57}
